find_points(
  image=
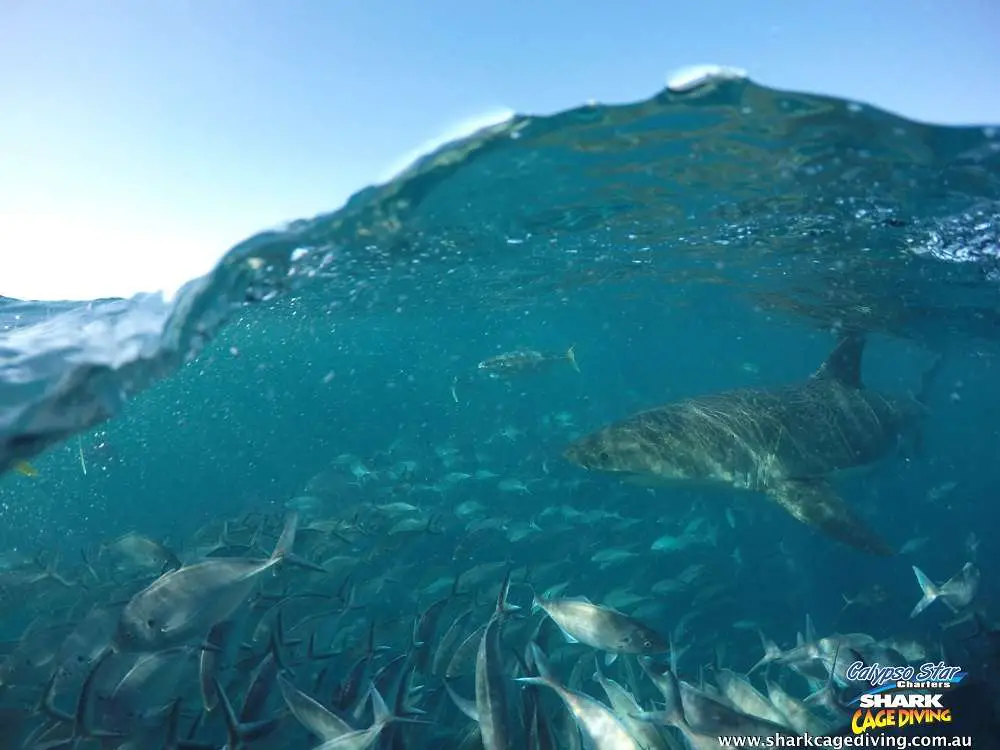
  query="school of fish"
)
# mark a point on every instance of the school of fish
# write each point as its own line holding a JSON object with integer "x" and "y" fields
{"x": 361, "y": 620}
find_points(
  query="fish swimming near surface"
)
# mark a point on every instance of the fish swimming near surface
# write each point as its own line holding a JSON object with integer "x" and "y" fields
{"x": 523, "y": 361}
{"x": 784, "y": 442}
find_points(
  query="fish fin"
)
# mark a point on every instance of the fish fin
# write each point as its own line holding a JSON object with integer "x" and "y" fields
{"x": 569, "y": 638}
{"x": 930, "y": 590}
{"x": 380, "y": 711}
{"x": 286, "y": 541}
{"x": 239, "y": 733}
{"x": 571, "y": 356}
{"x": 816, "y": 503}
{"x": 465, "y": 705}
{"x": 844, "y": 362}
{"x": 772, "y": 652}
{"x": 609, "y": 658}
{"x": 541, "y": 662}
{"x": 504, "y": 607}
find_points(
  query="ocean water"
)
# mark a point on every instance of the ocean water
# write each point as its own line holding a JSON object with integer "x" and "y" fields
{"x": 692, "y": 243}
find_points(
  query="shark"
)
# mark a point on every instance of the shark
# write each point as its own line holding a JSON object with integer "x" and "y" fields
{"x": 785, "y": 442}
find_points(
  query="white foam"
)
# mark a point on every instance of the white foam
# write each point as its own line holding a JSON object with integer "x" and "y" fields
{"x": 692, "y": 77}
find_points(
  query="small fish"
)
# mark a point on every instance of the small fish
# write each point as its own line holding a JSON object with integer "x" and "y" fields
{"x": 185, "y": 603}
{"x": 972, "y": 544}
{"x": 913, "y": 545}
{"x": 603, "y": 628}
{"x": 25, "y": 469}
{"x": 140, "y": 551}
{"x": 524, "y": 360}
{"x": 614, "y": 556}
{"x": 869, "y": 597}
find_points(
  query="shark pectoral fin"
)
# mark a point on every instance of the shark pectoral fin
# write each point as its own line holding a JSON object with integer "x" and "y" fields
{"x": 814, "y": 502}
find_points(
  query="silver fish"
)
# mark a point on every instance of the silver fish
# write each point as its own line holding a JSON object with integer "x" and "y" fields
{"x": 185, "y": 603}
{"x": 603, "y": 628}
{"x": 601, "y": 728}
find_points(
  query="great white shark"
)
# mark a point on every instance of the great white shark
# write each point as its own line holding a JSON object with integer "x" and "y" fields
{"x": 783, "y": 442}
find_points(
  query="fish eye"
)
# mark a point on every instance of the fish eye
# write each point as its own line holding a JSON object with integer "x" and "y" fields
{"x": 603, "y": 457}
{"x": 151, "y": 624}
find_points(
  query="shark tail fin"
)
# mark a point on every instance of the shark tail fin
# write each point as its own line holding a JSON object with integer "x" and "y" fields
{"x": 571, "y": 356}
{"x": 286, "y": 541}
{"x": 814, "y": 502}
{"x": 930, "y": 590}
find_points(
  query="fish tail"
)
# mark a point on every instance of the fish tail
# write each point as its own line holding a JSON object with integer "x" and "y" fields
{"x": 503, "y": 606}
{"x": 382, "y": 715}
{"x": 571, "y": 356}
{"x": 380, "y": 711}
{"x": 673, "y": 709}
{"x": 772, "y": 652}
{"x": 287, "y": 539}
{"x": 240, "y": 733}
{"x": 283, "y": 549}
{"x": 542, "y": 667}
{"x": 931, "y": 592}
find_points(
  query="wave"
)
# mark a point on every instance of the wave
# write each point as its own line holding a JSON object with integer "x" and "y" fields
{"x": 809, "y": 206}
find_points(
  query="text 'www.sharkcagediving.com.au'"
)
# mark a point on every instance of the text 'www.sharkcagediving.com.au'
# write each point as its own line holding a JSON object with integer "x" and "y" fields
{"x": 864, "y": 740}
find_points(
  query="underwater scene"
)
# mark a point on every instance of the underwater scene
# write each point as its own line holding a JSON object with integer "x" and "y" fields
{"x": 663, "y": 425}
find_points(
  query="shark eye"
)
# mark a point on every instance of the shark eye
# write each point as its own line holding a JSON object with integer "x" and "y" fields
{"x": 603, "y": 457}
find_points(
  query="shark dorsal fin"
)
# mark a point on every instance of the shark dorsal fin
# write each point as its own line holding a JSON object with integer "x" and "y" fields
{"x": 844, "y": 362}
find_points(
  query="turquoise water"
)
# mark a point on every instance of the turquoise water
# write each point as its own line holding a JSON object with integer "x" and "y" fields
{"x": 687, "y": 244}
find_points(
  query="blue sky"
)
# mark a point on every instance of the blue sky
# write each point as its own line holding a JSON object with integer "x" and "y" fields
{"x": 140, "y": 140}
